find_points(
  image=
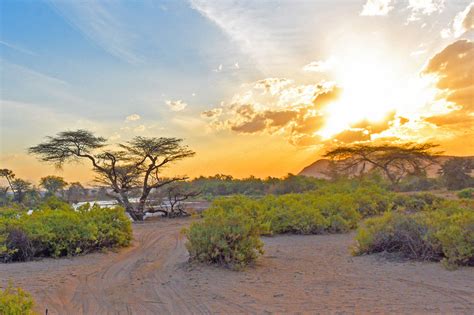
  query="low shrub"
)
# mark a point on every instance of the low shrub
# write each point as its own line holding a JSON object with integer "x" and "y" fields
{"x": 229, "y": 238}
{"x": 396, "y": 232}
{"x": 15, "y": 301}
{"x": 416, "y": 202}
{"x": 467, "y": 193}
{"x": 418, "y": 183}
{"x": 308, "y": 213}
{"x": 443, "y": 232}
{"x": 229, "y": 233}
{"x": 58, "y": 230}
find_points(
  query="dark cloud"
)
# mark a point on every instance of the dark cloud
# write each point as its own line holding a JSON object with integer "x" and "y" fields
{"x": 212, "y": 113}
{"x": 299, "y": 122}
{"x": 250, "y": 121}
{"x": 253, "y": 125}
{"x": 279, "y": 118}
{"x": 307, "y": 123}
{"x": 246, "y": 110}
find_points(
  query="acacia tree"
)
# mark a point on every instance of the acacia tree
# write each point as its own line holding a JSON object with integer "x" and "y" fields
{"x": 395, "y": 161}
{"x": 134, "y": 164}
{"x": 53, "y": 184}
{"x": 9, "y": 176}
{"x": 456, "y": 173}
{"x": 21, "y": 188}
{"x": 172, "y": 198}
{"x": 18, "y": 186}
{"x": 74, "y": 192}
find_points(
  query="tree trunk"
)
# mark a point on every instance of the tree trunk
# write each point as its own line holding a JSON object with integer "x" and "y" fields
{"x": 134, "y": 213}
{"x": 390, "y": 177}
{"x": 142, "y": 201}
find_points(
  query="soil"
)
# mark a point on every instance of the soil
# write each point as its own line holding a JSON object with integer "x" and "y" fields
{"x": 297, "y": 274}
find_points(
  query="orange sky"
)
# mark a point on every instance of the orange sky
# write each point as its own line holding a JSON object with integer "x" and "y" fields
{"x": 260, "y": 93}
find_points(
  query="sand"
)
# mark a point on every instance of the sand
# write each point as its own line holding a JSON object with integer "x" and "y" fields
{"x": 297, "y": 274}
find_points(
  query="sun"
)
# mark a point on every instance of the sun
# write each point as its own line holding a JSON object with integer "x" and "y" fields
{"x": 372, "y": 89}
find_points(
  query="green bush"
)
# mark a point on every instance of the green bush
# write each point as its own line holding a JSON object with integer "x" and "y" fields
{"x": 418, "y": 183}
{"x": 229, "y": 233}
{"x": 15, "y": 301}
{"x": 307, "y": 213}
{"x": 467, "y": 193}
{"x": 333, "y": 208}
{"x": 57, "y": 230}
{"x": 229, "y": 238}
{"x": 416, "y": 202}
{"x": 443, "y": 232}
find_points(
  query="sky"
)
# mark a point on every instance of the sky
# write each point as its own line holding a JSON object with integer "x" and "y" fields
{"x": 258, "y": 88}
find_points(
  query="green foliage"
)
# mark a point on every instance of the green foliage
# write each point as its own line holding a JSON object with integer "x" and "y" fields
{"x": 418, "y": 183}
{"x": 455, "y": 173}
{"x": 415, "y": 202}
{"x": 229, "y": 233}
{"x": 444, "y": 231}
{"x": 15, "y": 301}
{"x": 307, "y": 213}
{"x": 229, "y": 238}
{"x": 467, "y": 193}
{"x": 225, "y": 185}
{"x": 55, "y": 230}
{"x": 53, "y": 184}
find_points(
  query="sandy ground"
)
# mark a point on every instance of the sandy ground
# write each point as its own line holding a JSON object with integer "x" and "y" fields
{"x": 297, "y": 274}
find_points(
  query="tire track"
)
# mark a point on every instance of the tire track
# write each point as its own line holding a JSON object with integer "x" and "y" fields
{"x": 298, "y": 274}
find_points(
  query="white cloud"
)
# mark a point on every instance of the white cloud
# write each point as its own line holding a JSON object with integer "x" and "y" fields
{"x": 115, "y": 136}
{"x": 417, "y": 8}
{"x": 272, "y": 85}
{"x": 424, "y": 7}
{"x": 464, "y": 21}
{"x": 275, "y": 105}
{"x": 319, "y": 66}
{"x": 418, "y": 52}
{"x": 18, "y": 48}
{"x": 177, "y": 105}
{"x": 445, "y": 33}
{"x": 218, "y": 69}
{"x": 133, "y": 117}
{"x": 376, "y": 8}
{"x": 27, "y": 85}
{"x": 227, "y": 68}
{"x": 262, "y": 29}
{"x": 139, "y": 128}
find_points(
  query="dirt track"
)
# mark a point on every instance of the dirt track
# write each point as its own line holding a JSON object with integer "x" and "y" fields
{"x": 310, "y": 274}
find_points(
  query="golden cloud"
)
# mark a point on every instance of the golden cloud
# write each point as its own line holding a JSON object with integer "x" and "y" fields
{"x": 277, "y": 105}
{"x": 454, "y": 70}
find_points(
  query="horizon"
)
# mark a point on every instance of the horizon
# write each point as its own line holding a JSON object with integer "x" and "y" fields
{"x": 250, "y": 88}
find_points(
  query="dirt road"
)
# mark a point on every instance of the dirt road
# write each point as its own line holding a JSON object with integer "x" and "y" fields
{"x": 309, "y": 274}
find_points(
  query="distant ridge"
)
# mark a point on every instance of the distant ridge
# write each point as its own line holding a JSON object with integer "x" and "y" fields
{"x": 317, "y": 169}
{"x": 320, "y": 168}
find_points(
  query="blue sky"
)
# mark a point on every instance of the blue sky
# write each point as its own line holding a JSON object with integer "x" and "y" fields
{"x": 92, "y": 64}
